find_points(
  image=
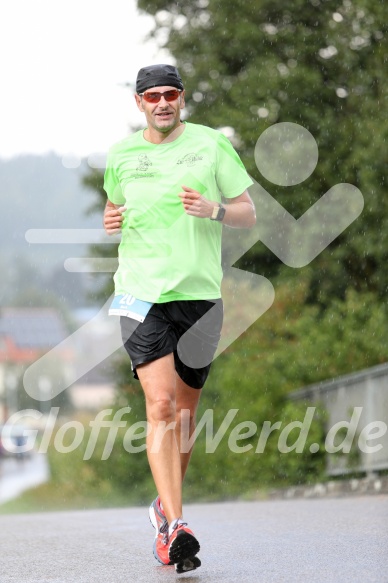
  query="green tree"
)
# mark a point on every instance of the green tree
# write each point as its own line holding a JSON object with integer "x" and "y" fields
{"x": 291, "y": 346}
{"x": 250, "y": 64}
{"x": 246, "y": 66}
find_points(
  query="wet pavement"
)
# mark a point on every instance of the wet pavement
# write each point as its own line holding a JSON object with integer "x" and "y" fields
{"x": 327, "y": 540}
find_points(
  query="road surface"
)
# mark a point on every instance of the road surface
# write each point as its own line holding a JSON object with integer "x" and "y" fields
{"x": 314, "y": 541}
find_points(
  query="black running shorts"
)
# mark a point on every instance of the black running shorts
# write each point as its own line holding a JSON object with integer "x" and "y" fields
{"x": 189, "y": 329}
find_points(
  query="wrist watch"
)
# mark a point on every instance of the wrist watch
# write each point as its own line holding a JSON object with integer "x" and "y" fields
{"x": 218, "y": 213}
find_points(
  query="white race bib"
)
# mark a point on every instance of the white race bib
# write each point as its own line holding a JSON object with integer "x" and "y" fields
{"x": 129, "y": 306}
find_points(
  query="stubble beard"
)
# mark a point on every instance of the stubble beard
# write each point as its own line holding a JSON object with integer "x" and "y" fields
{"x": 169, "y": 127}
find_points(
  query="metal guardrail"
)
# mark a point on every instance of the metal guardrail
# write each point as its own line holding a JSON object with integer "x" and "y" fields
{"x": 367, "y": 389}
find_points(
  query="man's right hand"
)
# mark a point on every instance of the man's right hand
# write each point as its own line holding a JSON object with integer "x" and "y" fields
{"x": 113, "y": 218}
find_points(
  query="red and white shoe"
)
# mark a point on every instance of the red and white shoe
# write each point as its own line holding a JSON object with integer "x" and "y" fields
{"x": 159, "y": 522}
{"x": 182, "y": 547}
{"x": 160, "y": 548}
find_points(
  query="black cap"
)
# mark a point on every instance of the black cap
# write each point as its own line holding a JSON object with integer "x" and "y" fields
{"x": 157, "y": 76}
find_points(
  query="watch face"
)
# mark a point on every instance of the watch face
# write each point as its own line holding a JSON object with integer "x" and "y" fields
{"x": 221, "y": 213}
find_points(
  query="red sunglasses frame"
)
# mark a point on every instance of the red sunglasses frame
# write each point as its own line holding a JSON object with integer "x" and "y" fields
{"x": 159, "y": 94}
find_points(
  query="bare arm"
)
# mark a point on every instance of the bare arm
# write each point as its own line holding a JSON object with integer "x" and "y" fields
{"x": 239, "y": 212}
{"x": 113, "y": 218}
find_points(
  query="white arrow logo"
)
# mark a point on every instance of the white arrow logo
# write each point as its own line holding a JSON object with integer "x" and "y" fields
{"x": 286, "y": 154}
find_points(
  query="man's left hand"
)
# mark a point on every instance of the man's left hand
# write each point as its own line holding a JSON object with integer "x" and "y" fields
{"x": 195, "y": 204}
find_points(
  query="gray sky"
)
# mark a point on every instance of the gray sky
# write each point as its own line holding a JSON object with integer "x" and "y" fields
{"x": 62, "y": 66}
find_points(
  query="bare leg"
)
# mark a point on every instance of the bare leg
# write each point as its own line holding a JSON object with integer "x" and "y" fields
{"x": 167, "y": 395}
{"x": 187, "y": 400}
{"x": 158, "y": 379}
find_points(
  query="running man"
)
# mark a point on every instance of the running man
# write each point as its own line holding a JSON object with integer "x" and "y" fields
{"x": 170, "y": 189}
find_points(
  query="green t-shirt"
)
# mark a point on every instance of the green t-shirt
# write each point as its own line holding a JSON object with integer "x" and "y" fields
{"x": 164, "y": 253}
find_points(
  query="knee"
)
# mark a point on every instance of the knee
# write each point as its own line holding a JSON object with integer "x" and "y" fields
{"x": 161, "y": 408}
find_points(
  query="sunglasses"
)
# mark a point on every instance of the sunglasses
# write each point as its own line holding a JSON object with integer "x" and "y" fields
{"x": 156, "y": 96}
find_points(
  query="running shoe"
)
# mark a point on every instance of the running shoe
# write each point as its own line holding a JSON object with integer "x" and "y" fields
{"x": 160, "y": 548}
{"x": 159, "y": 522}
{"x": 182, "y": 548}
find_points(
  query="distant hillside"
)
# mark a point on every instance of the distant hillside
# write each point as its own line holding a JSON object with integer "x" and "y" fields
{"x": 39, "y": 192}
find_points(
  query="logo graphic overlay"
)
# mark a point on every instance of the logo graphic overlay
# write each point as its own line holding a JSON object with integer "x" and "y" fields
{"x": 285, "y": 154}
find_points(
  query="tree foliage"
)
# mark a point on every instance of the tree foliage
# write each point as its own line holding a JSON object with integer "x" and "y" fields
{"x": 246, "y": 66}
{"x": 250, "y": 64}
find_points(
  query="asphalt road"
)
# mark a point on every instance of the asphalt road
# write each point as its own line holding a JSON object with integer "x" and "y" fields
{"x": 326, "y": 540}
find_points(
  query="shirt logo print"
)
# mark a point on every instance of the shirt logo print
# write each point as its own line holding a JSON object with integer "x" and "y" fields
{"x": 190, "y": 159}
{"x": 144, "y": 163}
